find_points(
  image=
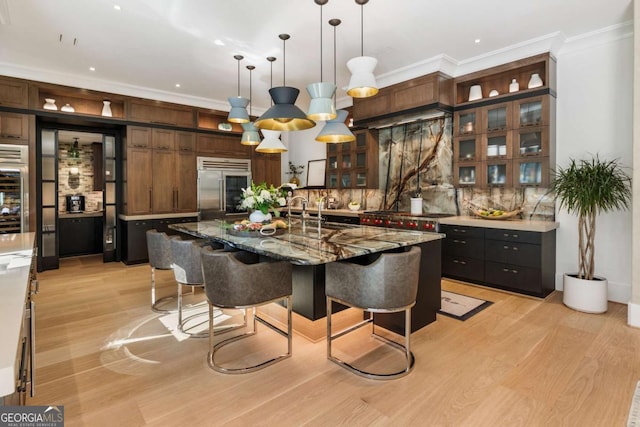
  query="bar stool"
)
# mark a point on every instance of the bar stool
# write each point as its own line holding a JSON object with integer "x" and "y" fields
{"x": 187, "y": 269}
{"x": 387, "y": 285}
{"x": 241, "y": 280}
{"x": 159, "y": 249}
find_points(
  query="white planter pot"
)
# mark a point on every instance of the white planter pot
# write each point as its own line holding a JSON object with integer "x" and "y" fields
{"x": 258, "y": 216}
{"x": 589, "y": 296}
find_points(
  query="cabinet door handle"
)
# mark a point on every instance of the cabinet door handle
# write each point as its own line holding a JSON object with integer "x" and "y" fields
{"x": 10, "y": 136}
{"x": 462, "y": 242}
{"x": 457, "y": 230}
{"x": 515, "y": 248}
{"x": 514, "y": 271}
{"x": 150, "y": 200}
{"x": 455, "y": 261}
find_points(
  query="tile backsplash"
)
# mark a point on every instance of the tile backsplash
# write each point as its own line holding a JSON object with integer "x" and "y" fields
{"x": 77, "y": 184}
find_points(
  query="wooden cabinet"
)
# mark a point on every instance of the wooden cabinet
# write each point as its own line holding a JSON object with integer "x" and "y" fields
{"x": 507, "y": 140}
{"x": 14, "y": 93}
{"x": 518, "y": 261}
{"x": 216, "y": 120}
{"x": 160, "y": 113}
{"x": 14, "y": 127}
{"x": 222, "y": 146}
{"x": 161, "y": 175}
{"x": 354, "y": 164}
{"x": 139, "y": 184}
{"x": 83, "y": 101}
{"x": 266, "y": 168}
{"x": 431, "y": 90}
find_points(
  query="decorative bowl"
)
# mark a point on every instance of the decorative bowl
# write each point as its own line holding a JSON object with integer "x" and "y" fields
{"x": 354, "y": 206}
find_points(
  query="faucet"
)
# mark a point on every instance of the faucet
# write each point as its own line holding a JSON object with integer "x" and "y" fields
{"x": 304, "y": 211}
{"x": 321, "y": 199}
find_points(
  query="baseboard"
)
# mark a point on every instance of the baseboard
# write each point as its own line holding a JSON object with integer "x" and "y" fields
{"x": 633, "y": 315}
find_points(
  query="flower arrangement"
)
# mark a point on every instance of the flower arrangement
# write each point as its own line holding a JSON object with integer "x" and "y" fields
{"x": 262, "y": 197}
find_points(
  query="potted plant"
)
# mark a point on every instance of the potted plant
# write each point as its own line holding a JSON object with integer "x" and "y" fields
{"x": 587, "y": 188}
{"x": 295, "y": 171}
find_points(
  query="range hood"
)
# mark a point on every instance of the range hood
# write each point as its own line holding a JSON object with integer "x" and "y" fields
{"x": 404, "y": 117}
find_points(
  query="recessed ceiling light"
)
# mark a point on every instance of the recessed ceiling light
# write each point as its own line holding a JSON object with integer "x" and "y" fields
{"x": 116, "y": 6}
{"x": 92, "y": 68}
{"x": 218, "y": 42}
{"x": 477, "y": 41}
{"x": 177, "y": 84}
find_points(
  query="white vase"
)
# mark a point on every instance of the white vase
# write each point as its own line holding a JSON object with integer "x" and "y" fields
{"x": 67, "y": 108}
{"x": 258, "y": 216}
{"x": 106, "y": 108}
{"x": 475, "y": 93}
{"x": 50, "y": 104}
{"x": 514, "y": 86}
{"x": 589, "y": 296}
{"x": 535, "y": 81}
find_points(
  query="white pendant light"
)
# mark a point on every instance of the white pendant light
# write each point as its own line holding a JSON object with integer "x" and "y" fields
{"x": 335, "y": 130}
{"x": 284, "y": 114}
{"x": 363, "y": 82}
{"x": 321, "y": 106}
{"x": 250, "y": 135}
{"x": 271, "y": 143}
{"x": 238, "y": 112}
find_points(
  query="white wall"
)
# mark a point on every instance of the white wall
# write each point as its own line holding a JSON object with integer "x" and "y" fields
{"x": 594, "y": 116}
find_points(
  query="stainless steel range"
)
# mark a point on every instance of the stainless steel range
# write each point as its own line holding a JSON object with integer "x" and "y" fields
{"x": 403, "y": 220}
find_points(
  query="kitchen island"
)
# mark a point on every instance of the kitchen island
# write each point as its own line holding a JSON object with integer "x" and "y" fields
{"x": 309, "y": 250}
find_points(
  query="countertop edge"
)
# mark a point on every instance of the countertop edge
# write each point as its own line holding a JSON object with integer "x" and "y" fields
{"x": 156, "y": 216}
{"x": 520, "y": 225}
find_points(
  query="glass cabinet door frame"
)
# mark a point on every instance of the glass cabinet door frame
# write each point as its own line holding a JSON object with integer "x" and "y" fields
{"x": 461, "y": 156}
{"x": 460, "y": 178}
{"x": 500, "y": 154}
{"x": 544, "y": 111}
{"x": 543, "y": 180}
{"x": 522, "y": 152}
{"x": 486, "y": 115}
{"x": 503, "y": 181}
{"x": 461, "y": 126}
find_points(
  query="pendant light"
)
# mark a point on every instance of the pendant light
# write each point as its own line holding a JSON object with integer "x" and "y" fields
{"x": 74, "y": 152}
{"x": 321, "y": 106}
{"x": 363, "y": 82}
{"x": 335, "y": 130}
{"x": 250, "y": 136}
{"x": 284, "y": 115}
{"x": 238, "y": 112}
{"x": 271, "y": 143}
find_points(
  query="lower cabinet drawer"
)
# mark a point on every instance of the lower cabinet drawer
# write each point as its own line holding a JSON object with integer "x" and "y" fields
{"x": 463, "y": 268}
{"x": 524, "y": 254}
{"x": 463, "y": 247}
{"x": 517, "y": 278}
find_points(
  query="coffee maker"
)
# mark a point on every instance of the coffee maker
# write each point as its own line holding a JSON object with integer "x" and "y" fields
{"x": 75, "y": 204}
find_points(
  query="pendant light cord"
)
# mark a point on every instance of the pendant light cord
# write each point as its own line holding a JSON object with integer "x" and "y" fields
{"x": 320, "y": 43}
{"x": 362, "y": 29}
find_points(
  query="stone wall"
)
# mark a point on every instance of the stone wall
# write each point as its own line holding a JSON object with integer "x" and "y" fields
{"x": 76, "y": 184}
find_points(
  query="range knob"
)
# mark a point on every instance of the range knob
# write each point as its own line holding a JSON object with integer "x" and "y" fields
{"x": 387, "y": 222}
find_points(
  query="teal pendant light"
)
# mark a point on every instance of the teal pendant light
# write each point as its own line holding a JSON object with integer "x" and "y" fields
{"x": 250, "y": 135}
{"x": 284, "y": 115}
{"x": 238, "y": 112}
{"x": 321, "y": 106}
{"x": 335, "y": 130}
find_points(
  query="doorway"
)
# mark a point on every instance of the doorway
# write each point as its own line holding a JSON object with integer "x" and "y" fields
{"x": 77, "y": 179}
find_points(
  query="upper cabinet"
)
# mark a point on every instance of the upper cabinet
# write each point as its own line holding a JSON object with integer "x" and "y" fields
{"x": 354, "y": 164}
{"x": 216, "y": 120}
{"x": 505, "y": 138}
{"x": 14, "y": 127}
{"x": 14, "y": 93}
{"x": 155, "y": 112}
{"x": 431, "y": 91}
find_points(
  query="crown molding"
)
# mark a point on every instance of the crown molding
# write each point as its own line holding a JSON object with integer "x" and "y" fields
{"x": 602, "y": 36}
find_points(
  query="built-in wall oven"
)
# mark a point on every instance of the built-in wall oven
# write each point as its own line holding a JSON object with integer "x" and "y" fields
{"x": 14, "y": 185}
{"x": 220, "y": 184}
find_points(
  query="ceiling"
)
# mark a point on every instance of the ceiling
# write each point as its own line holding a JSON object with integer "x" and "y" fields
{"x": 149, "y": 46}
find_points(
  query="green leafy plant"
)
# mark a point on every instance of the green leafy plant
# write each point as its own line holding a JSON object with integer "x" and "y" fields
{"x": 587, "y": 188}
{"x": 262, "y": 197}
{"x": 295, "y": 170}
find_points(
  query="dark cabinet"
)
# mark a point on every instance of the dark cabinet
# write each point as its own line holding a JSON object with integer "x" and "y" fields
{"x": 513, "y": 260}
{"x": 80, "y": 236}
{"x": 134, "y": 236}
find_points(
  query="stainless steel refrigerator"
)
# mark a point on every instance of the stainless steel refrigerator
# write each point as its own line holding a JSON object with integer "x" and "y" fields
{"x": 220, "y": 184}
{"x": 14, "y": 184}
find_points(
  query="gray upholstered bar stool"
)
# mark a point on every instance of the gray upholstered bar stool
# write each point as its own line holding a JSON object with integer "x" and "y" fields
{"x": 387, "y": 285}
{"x": 187, "y": 269}
{"x": 241, "y": 280}
{"x": 159, "y": 250}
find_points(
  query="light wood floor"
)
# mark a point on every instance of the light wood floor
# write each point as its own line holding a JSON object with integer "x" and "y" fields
{"x": 106, "y": 357}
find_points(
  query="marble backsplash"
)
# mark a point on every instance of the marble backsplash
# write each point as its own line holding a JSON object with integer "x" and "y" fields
{"x": 417, "y": 158}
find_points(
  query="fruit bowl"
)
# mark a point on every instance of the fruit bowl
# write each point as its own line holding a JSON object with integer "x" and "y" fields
{"x": 354, "y": 206}
{"x": 495, "y": 213}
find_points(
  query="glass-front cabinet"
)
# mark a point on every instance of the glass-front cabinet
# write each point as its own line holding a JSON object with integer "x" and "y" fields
{"x": 532, "y": 172}
{"x": 354, "y": 164}
{"x": 533, "y": 141}
{"x": 467, "y": 148}
{"x": 467, "y": 122}
{"x": 469, "y": 174}
{"x": 498, "y": 146}
{"x": 498, "y": 174}
{"x": 497, "y": 118}
{"x": 531, "y": 112}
